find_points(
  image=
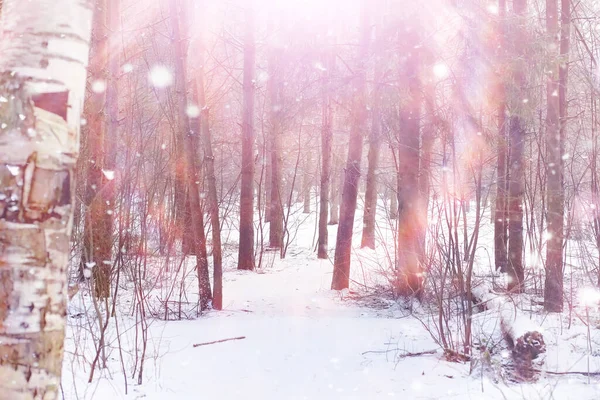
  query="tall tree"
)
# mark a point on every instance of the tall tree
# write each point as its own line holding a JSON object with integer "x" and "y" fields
{"x": 326, "y": 147}
{"x": 42, "y": 82}
{"x": 409, "y": 280}
{"x": 370, "y": 208}
{"x": 209, "y": 167}
{"x": 555, "y": 144}
{"x": 516, "y": 128}
{"x": 98, "y": 235}
{"x": 334, "y": 193}
{"x": 343, "y": 248}
{"x": 500, "y": 221}
{"x": 275, "y": 88}
{"x": 306, "y": 182}
{"x": 246, "y": 249}
{"x": 191, "y": 169}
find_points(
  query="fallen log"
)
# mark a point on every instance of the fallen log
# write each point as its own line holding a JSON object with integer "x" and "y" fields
{"x": 523, "y": 338}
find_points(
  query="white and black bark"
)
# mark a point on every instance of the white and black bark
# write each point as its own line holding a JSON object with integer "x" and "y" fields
{"x": 44, "y": 47}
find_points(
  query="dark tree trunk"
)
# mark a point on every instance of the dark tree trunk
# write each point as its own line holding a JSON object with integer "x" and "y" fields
{"x": 409, "y": 279}
{"x": 326, "y": 146}
{"x": 555, "y": 139}
{"x": 343, "y": 248}
{"x": 306, "y": 183}
{"x": 515, "y": 268}
{"x": 334, "y": 199}
{"x": 500, "y": 221}
{"x": 276, "y": 113}
{"x": 394, "y": 200}
{"x": 102, "y": 114}
{"x": 370, "y": 208}
{"x": 191, "y": 170}
{"x": 268, "y": 179}
{"x": 427, "y": 141}
{"x": 211, "y": 181}
{"x": 246, "y": 249}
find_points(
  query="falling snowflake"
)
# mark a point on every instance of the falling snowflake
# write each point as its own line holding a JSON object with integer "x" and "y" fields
{"x": 320, "y": 67}
{"x": 99, "y": 86}
{"x": 493, "y": 9}
{"x": 127, "y": 68}
{"x": 160, "y": 77}
{"x": 441, "y": 71}
{"x": 192, "y": 111}
{"x": 108, "y": 174}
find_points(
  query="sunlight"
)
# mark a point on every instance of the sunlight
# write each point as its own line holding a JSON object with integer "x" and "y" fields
{"x": 364, "y": 190}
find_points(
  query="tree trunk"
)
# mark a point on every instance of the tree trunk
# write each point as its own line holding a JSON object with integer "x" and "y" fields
{"x": 99, "y": 191}
{"x": 246, "y": 249}
{"x": 516, "y": 272}
{"x": 427, "y": 142}
{"x": 44, "y": 46}
{"x": 500, "y": 221}
{"x": 409, "y": 280}
{"x": 306, "y": 183}
{"x": 209, "y": 167}
{"x": 191, "y": 169}
{"x": 334, "y": 199}
{"x": 555, "y": 138}
{"x": 343, "y": 248}
{"x": 268, "y": 180}
{"x": 326, "y": 145}
{"x": 370, "y": 208}
{"x": 276, "y": 114}
{"x": 394, "y": 200}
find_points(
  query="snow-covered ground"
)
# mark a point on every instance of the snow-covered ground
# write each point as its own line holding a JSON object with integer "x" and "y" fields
{"x": 304, "y": 341}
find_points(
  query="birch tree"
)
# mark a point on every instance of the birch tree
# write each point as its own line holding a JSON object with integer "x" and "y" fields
{"x": 44, "y": 50}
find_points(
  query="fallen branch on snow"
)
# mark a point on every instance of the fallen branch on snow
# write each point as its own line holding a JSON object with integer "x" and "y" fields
{"x": 402, "y": 355}
{"x": 567, "y": 372}
{"x": 219, "y": 341}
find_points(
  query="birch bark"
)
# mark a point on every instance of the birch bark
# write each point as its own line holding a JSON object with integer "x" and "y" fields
{"x": 44, "y": 47}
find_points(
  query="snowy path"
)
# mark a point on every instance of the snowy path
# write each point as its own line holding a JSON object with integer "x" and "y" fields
{"x": 302, "y": 342}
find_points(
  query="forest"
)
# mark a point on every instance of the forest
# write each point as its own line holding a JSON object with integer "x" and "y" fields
{"x": 299, "y": 199}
